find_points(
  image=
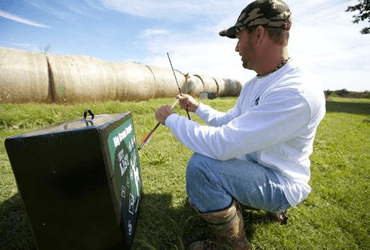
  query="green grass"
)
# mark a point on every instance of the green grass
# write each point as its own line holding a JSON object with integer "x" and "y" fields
{"x": 335, "y": 215}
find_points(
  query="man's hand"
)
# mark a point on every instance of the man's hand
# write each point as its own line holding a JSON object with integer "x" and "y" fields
{"x": 188, "y": 102}
{"x": 163, "y": 112}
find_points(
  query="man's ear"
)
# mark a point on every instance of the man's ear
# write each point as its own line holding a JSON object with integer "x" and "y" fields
{"x": 260, "y": 34}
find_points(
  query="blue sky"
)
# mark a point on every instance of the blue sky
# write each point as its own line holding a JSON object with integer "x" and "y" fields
{"x": 323, "y": 38}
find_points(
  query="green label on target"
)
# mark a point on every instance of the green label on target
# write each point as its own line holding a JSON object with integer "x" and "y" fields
{"x": 125, "y": 174}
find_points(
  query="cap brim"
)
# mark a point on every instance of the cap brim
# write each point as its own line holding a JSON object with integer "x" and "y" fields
{"x": 230, "y": 32}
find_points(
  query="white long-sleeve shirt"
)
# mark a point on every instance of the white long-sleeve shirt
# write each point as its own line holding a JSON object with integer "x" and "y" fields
{"x": 273, "y": 122}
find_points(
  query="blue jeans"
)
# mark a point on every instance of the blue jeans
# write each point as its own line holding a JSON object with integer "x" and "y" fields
{"x": 213, "y": 184}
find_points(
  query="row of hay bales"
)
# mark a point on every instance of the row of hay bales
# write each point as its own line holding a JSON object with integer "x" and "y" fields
{"x": 33, "y": 77}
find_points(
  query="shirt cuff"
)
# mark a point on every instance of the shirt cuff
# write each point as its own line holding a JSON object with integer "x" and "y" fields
{"x": 200, "y": 109}
{"x": 169, "y": 120}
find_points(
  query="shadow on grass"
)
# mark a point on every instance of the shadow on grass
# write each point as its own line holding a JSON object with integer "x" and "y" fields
{"x": 348, "y": 107}
{"x": 162, "y": 227}
{"x": 159, "y": 225}
{"x": 15, "y": 227}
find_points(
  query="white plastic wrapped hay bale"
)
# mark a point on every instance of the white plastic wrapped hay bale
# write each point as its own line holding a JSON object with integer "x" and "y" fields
{"x": 81, "y": 79}
{"x": 165, "y": 83}
{"x": 23, "y": 77}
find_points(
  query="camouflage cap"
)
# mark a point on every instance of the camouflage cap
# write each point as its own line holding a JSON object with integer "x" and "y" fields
{"x": 267, "y": 13}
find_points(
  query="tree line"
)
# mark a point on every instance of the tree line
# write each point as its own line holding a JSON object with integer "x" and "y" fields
{"x": 347, "y": 94}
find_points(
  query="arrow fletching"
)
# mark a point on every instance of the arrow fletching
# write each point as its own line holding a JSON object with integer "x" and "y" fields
{"x": 146, "y": 138}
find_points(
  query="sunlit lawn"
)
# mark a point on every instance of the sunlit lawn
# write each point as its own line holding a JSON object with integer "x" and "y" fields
{"x": 335, "y": 216}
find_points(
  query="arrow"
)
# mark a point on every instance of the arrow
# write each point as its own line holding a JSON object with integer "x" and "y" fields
{"x": 146, "y": 138}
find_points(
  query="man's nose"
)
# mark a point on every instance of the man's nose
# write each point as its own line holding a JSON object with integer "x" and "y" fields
{"x": 237, "y": 47}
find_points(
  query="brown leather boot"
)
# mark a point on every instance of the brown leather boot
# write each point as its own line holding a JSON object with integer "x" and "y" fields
{"x": 227, "y": 226}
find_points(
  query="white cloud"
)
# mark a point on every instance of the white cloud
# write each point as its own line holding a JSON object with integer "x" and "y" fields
{"x": 174, "y": 10}
{"x": 325, "y": 41}
{"x": 195, "y": 53}
{"x": 95, "y": 4}
{"x": 21, "y": 20}
{"x": 150, "y": 33}
{"x": 70, "y": 10}
{"x": 52, "y": 10}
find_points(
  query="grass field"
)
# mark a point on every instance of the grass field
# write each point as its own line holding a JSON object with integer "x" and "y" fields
{"x": 336, "y": 215}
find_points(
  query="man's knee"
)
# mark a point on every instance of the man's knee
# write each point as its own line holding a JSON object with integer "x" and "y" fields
{"x": 197, "y": 171}
{"x": 203, "y": 185}
{"x": 195, "y": 167}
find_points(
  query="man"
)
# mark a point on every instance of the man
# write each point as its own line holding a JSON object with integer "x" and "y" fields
{"x": 256, "y": 154}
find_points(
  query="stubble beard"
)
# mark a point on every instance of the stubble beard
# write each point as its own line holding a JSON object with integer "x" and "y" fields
{"x": 246, "y": 64}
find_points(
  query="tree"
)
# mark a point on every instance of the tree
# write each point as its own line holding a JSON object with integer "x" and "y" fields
{"x": 364, "y": 8}
{"x": 342, "y": 93}
{"x": 46, "y": 49}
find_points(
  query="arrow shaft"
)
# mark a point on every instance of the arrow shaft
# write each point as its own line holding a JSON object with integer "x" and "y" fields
{"x": 178, "y": 85}
{"x": 174, "y": 74}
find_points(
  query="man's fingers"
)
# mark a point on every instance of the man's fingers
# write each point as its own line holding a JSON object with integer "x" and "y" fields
{"x": 184, "y": 106}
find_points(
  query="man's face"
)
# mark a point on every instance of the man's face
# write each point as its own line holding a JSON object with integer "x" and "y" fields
{"x": 246, "y": 48}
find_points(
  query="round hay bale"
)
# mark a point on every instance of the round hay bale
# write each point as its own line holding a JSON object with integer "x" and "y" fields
{"x": 80, "y": 79}
{"x": 23, "y": 77}
{"x": 222, "y": 90}
{"x": 136, "y": 81}
{"x": 165, "y": 83}
{"x": 209, "y": 83}
{"x": 232, "y": 87}
{"x": 228, "y": 87}
{"x": 194, "y": 85}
